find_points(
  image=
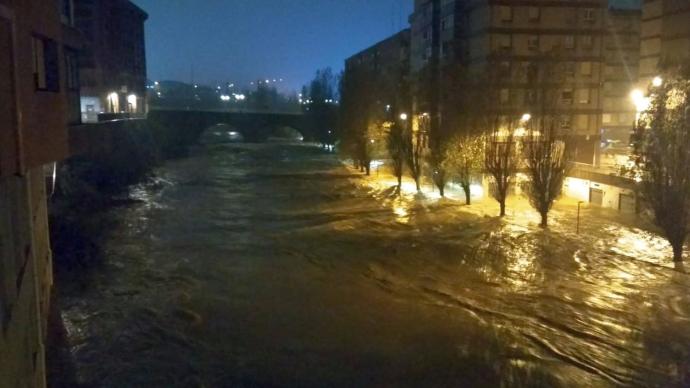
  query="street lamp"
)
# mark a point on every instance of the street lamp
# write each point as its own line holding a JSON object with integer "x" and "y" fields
{"x": 526, "y": 117}
{"x": 403, "y": 116}
{"x": 657, "y": 81}
{"x": 640, "y": 100}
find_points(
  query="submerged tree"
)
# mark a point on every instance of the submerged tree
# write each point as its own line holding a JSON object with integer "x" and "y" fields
{"x": 662, "y": 154}
{"x": 500, "y": 161}
{"x": 465, "y": 156}
{"x": 413, "y": 146}
{"x": 395, "y": 143}
{"x": 356, "y": 115}
{"x": 544, "y": 146}
{"x": 546, "y": 163}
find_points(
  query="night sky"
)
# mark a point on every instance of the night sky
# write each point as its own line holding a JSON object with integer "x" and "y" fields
{"x": 243, "y": 40}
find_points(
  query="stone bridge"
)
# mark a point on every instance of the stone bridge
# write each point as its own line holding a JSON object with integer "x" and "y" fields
{"x": 184, "y": 127}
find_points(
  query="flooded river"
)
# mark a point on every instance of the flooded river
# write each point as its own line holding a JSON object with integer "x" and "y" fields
{"x": 275, "y": 266}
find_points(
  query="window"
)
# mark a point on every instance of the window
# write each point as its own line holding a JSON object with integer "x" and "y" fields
{"x": 505, "y": 41}
{"x": 45, "y": 65}
{"x": 447, "y": 23}
{"x": 587, "y": 41}
{"x": 567, "y": 96}
{"x": 589, "y": 15}
{"x": 534, "y": 14}
{"x": 569, "y": 69}
{"x": 445, "y": 49}
{"x": 505, "y": 95}
{"x": 533, "y": 42}
{"x": 72, "y": 67}
{"x": 505, "y": 13}
{"x": 586, "y": 68}
{"x": 569, "y": 42}
{"x": 583, "y": 96}
{"x": 66, "y": 12}
{"x": 566, "y": 122}
{"x": 607, "y": 118}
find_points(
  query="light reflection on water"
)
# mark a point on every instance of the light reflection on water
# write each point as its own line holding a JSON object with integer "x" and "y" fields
{"x": 240, "y": 271}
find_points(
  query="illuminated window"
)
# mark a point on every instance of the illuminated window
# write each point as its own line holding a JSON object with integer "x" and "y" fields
{"x": 607, "y": 118}
{"x": 583, "y": 96}
{"x": 586, "y": 68}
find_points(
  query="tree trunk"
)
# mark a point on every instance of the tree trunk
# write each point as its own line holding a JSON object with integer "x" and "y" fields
{"x": 544, "y": 220}
{"x": 677, "y": 251}
{"x": 503, "y": 208}
{"x": 416, "y": 182}
{"x": 367, "y": 167}
{"x": 442, "y": 190}
{"x": 399, "y": 184}
{"x": 468, "y": 194}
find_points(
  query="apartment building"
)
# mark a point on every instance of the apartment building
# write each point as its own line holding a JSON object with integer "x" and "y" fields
{"x": 665, "y": 37}
{"x": 36, "y": 89}
{"x": 113, "y": 65}
{"x": 388, "y": 64}
{"x": 621, "y": 65}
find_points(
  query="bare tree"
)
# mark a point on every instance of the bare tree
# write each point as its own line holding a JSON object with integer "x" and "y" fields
{"x": 414, "y": 150}
{"x": 395, "y": 142}
{"x": 465, "y": 156}
{"x": 544, "y": 147}
{"x": 501, "y": 162}
{"x": 662, "y": 153}
{"x": 546, "y": 163}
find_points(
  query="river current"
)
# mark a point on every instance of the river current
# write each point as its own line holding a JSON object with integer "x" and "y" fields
{"x": 274, "y": 265}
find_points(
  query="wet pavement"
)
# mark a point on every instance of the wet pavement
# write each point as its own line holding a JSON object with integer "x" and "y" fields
{"x": 275, "y": 266}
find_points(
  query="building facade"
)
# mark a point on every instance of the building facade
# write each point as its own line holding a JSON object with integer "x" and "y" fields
{"x": 36, "y": 43}
{"x": 387, "y": 62}
{"x": 113, "y": 65}
{"x": 621, "y": 67}
{"x": 665, "y": 37}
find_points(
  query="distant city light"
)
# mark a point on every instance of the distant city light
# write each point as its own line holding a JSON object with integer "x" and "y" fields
{"x": 225, "y": 97}
{"x": 156, "y": 83}
{"x": 657, "y": 81}
{"x": 526, "y": 117}
{"x": 403, "y": 116}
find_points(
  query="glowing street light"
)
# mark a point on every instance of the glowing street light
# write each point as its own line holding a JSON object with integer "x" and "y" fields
{"x": 640, "y": 100}
{"x": 403, "y": 116}
{"x": 526, "y": 117}
{"x": 657, "y": 81}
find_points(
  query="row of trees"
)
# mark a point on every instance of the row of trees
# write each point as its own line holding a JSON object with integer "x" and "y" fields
{"x": 480, "y": 136}
{"x": 476, "y": 136}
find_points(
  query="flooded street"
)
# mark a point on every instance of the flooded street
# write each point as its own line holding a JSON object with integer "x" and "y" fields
{"x": 274, "y": 265}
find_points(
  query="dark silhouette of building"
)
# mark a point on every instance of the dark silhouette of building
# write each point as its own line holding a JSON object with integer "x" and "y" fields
{"x": 113, "y": 64}
{"x": 388, "y": 63}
